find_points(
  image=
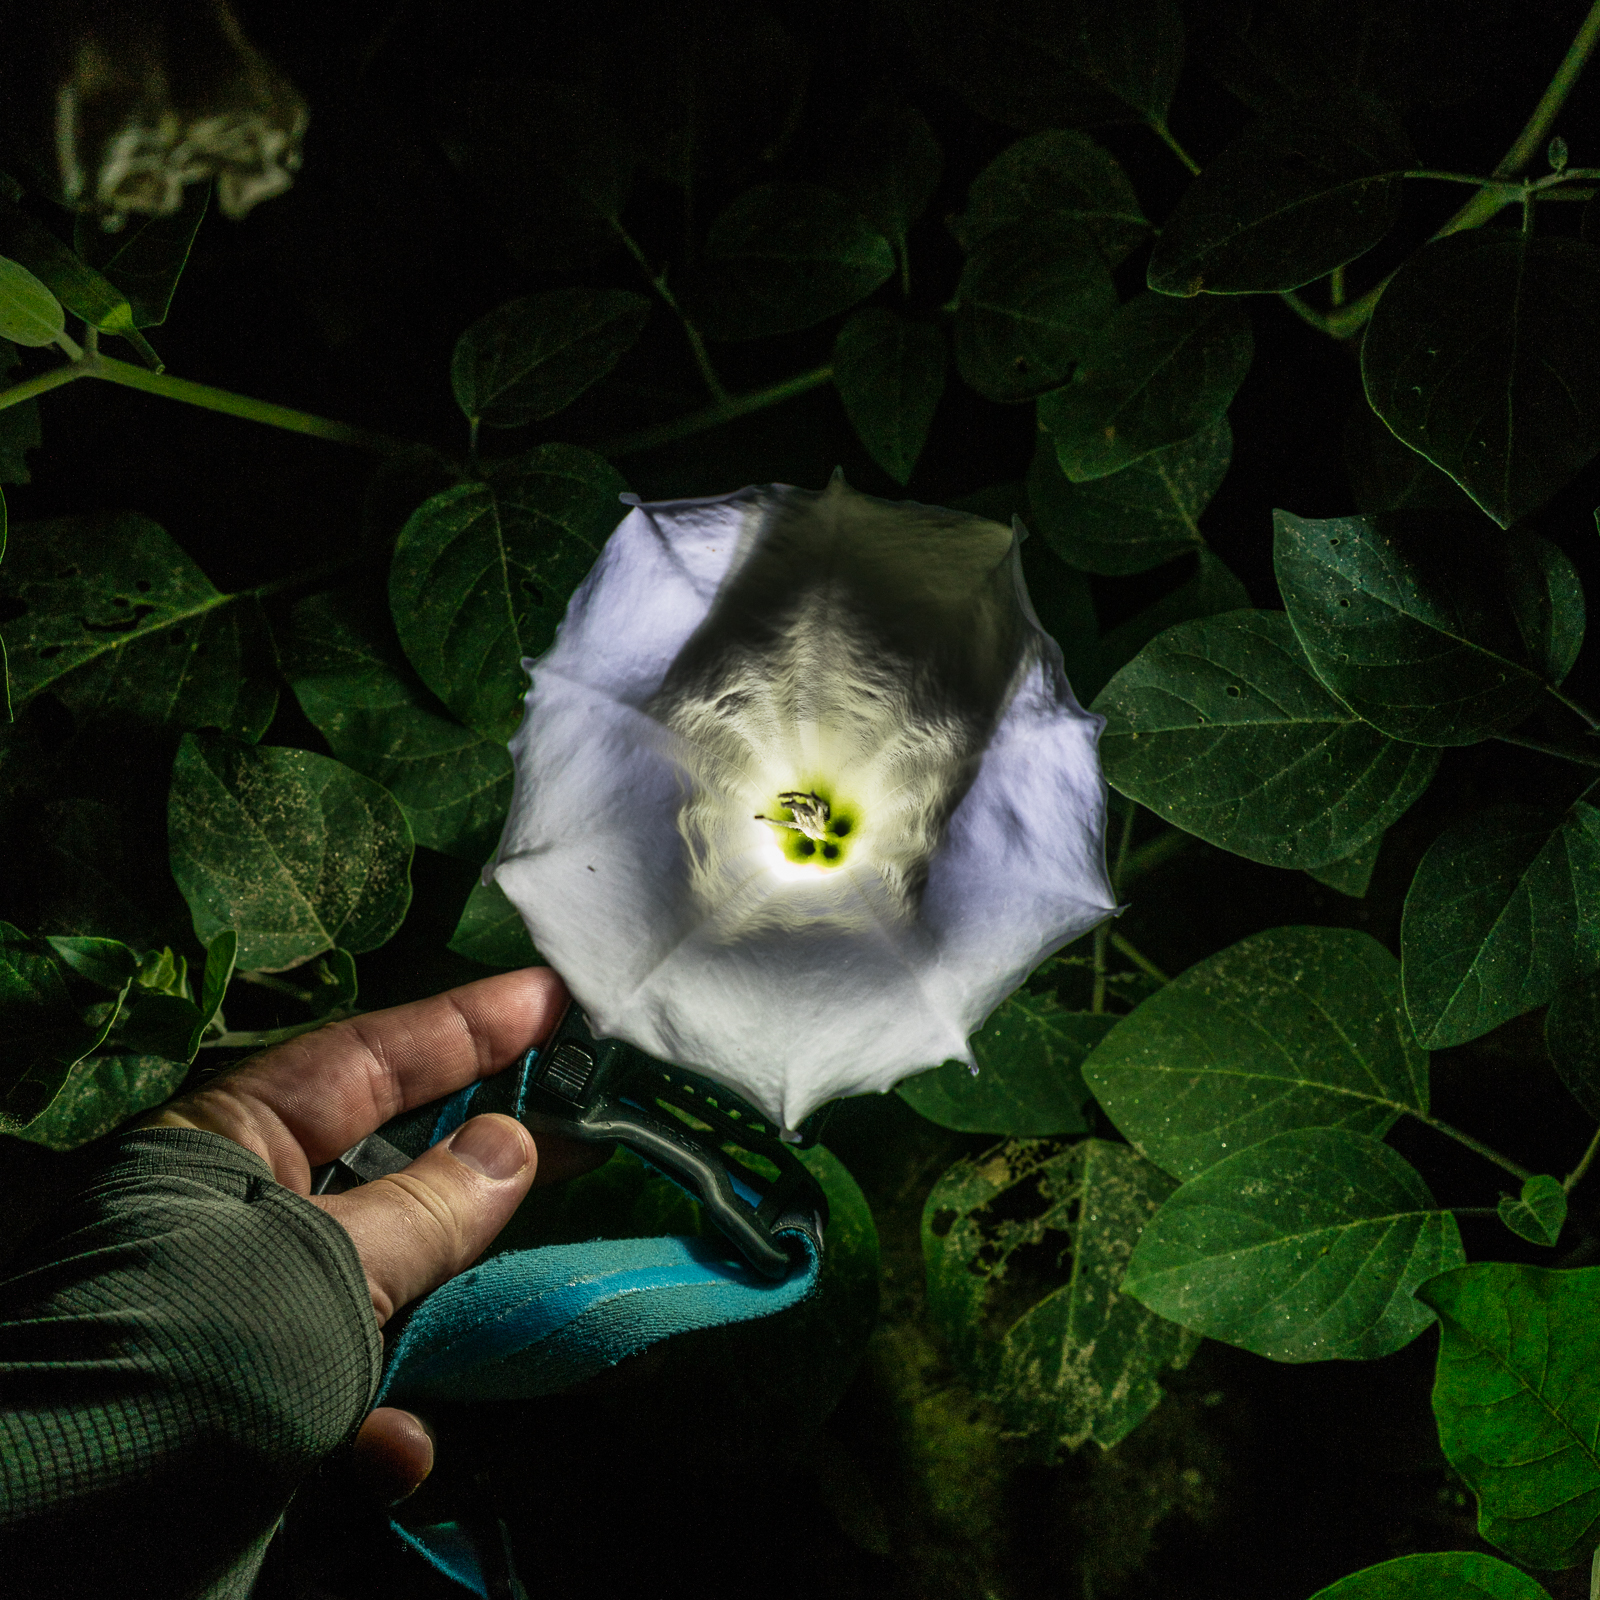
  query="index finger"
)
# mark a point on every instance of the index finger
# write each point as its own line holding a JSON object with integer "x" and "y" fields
{"x": 306, "y": 1101}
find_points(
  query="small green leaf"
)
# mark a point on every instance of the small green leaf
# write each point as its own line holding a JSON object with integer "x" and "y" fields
{"x": 159, "y": 1025}
{"x": 1572, "y": 1036}
{"x": 1538, "y": 1213}
{"x": 1028, "y": 1223}
{"x": 1439, "y": 1575}
{"x": 19, "y": 426}
{"x": 117, "y": 620}
{"x": 47, "y": 1029}
{"x": 294, "y": 851}
{"x": 1353, "y": 873}
{"x": 1301, "y": 192}
{"x": 890, "y": 170}
{"x": 1518, "y": 1403}
{"x": 1305, "y": 1247}
{"x": 1219, "y": 727}
{"x": 222, "y": 955}
{"x": 145, "y": 259}
{"x": 1159, "y": 372}
{"x": 482, "y": 574}
{"x": 29, "y": 313}
{"x": 80, "y": 289}
{"x": 1484, "y": 354}
{"x": 353, "y": 682}
{"x": 1432, "y": 629}
{"x": 890, "y": 373}
{"x": 492, "y": 931}
{"x": 1027, "y": 1084}
{"x": 101, "y": 1092}
{"x": 1136, "y": 518}
{"x": 1503, "y": 910}
{"x": 532, "y": 357}
{"x": 1292, "y": 1028}
{"x": 1060, "y": 176}
{"x": 108, "y": 962}
{"x": 1032, "y": 298}
{"x": 782, "y": 257}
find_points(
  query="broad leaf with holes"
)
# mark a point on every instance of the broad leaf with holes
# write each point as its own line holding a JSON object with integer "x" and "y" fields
{"x": 1517, "y": 1399}
{"x": 1484, "y": 354}
{"x": 1062, "y": 177}
{"x": 1430, "y": 627}
{"x": 532, "y": 357}
{"x": 492, "y": 931}
{"x": 1032, "y": 297}
{"x": 1030, "y": 1227}
{"x": 482, "y": 574}
{"x": 890, "y": 373}
{"x": 378, "y": 717}
{"x": 1160, "y": 371}
{"x": 1504, "y": 909}
{"x": 294, "y": 851}
{"x": 1220, "y": 727}
{"x": 1027, "y": 1084}
{"x": 1136, "y": 518}
{"x": 1303, "y": 191}
{"x": 1305, "y": 1247}
{"x": 782, "y": 257}
{"x": 1439, "y": 1575}
{"x": 102, "y": 1091}
{"x": 118, "y": 620}
{"x": 1292, "y": 1028}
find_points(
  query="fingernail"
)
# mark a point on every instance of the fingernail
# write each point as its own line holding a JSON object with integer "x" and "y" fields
{"x": 491, "y": 1145}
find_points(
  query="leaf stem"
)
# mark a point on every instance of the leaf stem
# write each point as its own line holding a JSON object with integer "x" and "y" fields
{"x": 267, "y": 980}
{"x": 1472, "y": 1144}
{"x": 658, "y": 282}
{"x": 1578, "y": 757}
{"x": 1158, "y": 127}
{"x": 1097, "y": 995}
{"x": 260, "y": 1039}
{"x": 1573, "y": 706}
{"x": 1138, "y": 958}
{"x": 1576, "y": 1176}
{"x": 1157, "y": 852}
{"x": 1124, "y": 844}
{"x": 737, "y": 405}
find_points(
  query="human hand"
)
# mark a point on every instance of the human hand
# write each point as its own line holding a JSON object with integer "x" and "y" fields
{"x": 305, "y": 1102}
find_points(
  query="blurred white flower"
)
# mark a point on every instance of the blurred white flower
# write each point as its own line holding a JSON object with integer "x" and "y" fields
{"x": 802, "y": 792}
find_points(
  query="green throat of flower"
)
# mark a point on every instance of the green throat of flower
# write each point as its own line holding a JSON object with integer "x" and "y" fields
{"x": 812, "y": 827}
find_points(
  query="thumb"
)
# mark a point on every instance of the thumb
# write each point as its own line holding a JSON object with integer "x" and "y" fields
{"x": 419, "y": 1227}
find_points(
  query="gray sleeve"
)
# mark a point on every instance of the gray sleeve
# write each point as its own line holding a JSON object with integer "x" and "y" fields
{"x": 179, "y": 1345}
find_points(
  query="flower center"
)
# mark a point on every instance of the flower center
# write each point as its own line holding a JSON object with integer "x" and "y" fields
{"x": 814, "y": 830}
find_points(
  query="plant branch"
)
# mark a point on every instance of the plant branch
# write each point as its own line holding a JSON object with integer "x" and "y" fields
{"x": 1138, "y": 958}
{"x": 1574, "y": 707}
{"x": 1097, "y": 997}
{"x": 737, "y": 405}
{"x": 1164, "y": 134}
{"x": 658, "y": 282}
{"x": 1472, "y": 1144}
{"x": 1576, "y": 1176}
{"x": 260, "y": 1039}
{"x": 1581, "y": 758}
{"x": 1157, "y": 852}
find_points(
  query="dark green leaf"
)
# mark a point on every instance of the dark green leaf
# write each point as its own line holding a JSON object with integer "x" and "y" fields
{"x": 100, "y": 1092}
{"x": 293, "y": 851}
{"x": 552, "y": 162}
{"x": 1292, "y": 1028}
{"x": 119, "y": 621}
{"x": 147, "y": 257}
{"x": 1538, "y": 1213}
{"x": 1429, "y": 628}
{"x": 1160, "y": 371}
{"x": 1439, "y": 1575}
{"x": 1301, "y": 192}
{"x": 1027, "y": 1085}
{"x": 482, "y": 574}
{"x": 80, "y": 289}
{"x": 1041, "y": 63}
{"x": 1305, "y": 1247}
{"x": 1572, "y": 1036}
{"x": 47, "y": 1029}
{"x": 29, "y": 313}
{"x": 1386, "y": 474}
{"x": 890, "y": 374}
{"x": 1064, "y": 604}
{"x": 533, "y": 357}
{"x": 19, "y": 427}
{"x": 1484, "y": 354}
{"x": 1136, "y": 518}
{"x": 1059, "y": 176}
{"x": 1351, "y": 875}
{"x": 890, "y": 170}
{"x": 1504, "y": 909}
{"x": 492, "y": 931}
{"x": 1517, "y": 1399}
{"x": 353, "y": 682}
{"x": 1220, "y": 727}
{"x": 782, "y": 257}
{"x": 108, "y": 962}
{"x": 1032, "y": 298}
{"x": 222, "y": 955}
{"x": 159, "y": 1025}
{"x": 1030, "y": 1225}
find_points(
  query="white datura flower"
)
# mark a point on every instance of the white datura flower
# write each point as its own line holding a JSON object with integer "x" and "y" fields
{"x": 802, "y": 792}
